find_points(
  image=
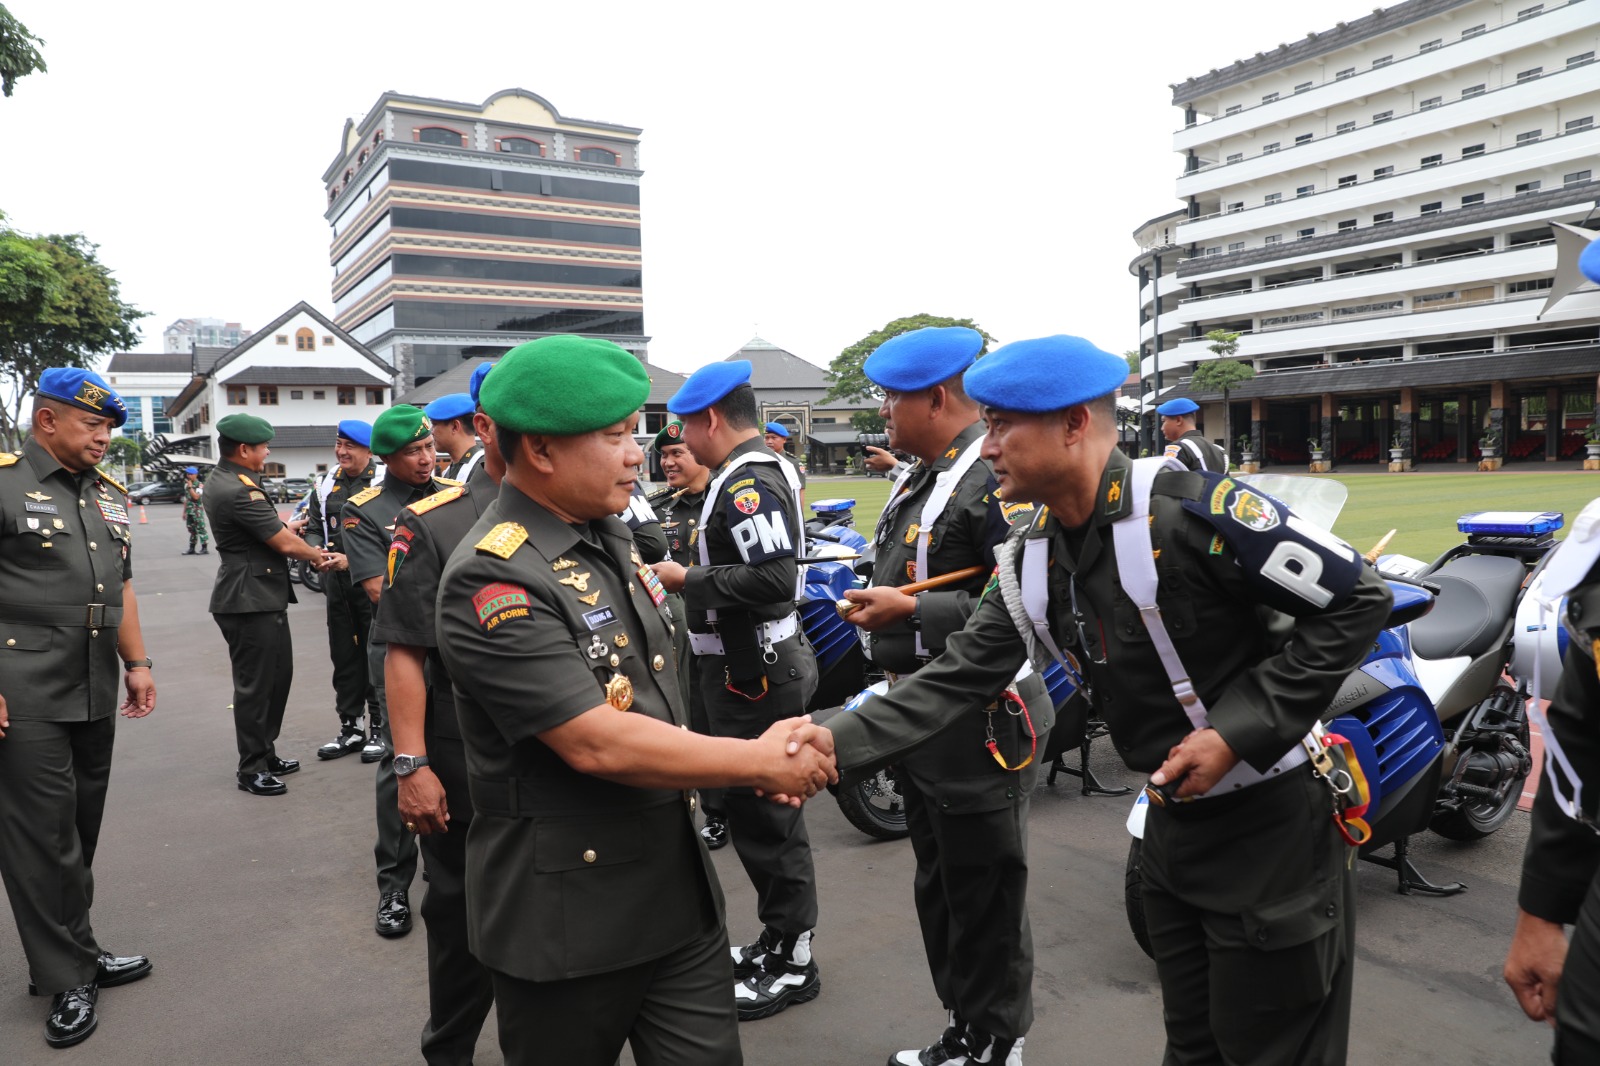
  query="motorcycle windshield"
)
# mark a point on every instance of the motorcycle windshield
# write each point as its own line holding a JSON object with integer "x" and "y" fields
{"x": 1315, "y": 499}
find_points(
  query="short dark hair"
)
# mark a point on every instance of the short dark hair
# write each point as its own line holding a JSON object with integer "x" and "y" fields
{"x": 510, "y": 442}
{"x": 227, "y": 446}
{"x": 957, "y": 390}
{"x": 739, "y": 408}
{"x": 1104, "y": 406}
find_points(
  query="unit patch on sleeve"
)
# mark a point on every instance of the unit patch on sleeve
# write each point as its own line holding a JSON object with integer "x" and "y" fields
{"x": 500, "y": 602}
{"x": 747, "y": 501}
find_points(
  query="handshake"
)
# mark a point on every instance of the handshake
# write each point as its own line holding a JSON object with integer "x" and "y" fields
{"x": 794, "y": 761}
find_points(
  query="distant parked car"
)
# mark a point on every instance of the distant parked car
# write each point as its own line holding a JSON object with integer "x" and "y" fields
{"x": 293, "y": 488}
{"x": 157, "y": 492}
{"x": 135, "y": 486}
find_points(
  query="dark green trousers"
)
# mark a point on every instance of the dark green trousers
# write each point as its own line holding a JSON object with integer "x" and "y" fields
{"x": 396, "y": 850}
{"x": 261, "y": 651}
{"x": 349, "y": 622}
{"x": 1249, "y": 900}
{"x": 53, "y": 778}
{"x": 1578, "y": 999}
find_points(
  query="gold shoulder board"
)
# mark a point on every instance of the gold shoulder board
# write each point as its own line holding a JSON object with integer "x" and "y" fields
{"x": 503, "y": 540}
{"x": 448, "y": 480}
{"x": 428, "y": 503}
{"x": 246, "y": 479}
{"x": 8, "y": 459}
{"x": 371, "y": 492}
{"x": 113, "y": 482}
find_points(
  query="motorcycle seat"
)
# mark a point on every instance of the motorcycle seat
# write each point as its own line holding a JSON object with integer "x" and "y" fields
{"x": 1477, "y": 596}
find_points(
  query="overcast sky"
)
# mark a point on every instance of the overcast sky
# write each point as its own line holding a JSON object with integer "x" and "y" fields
{"x": 811, "y": 170}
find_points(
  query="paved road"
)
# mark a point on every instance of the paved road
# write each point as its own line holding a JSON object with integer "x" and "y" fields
{"x": 258, "y": 911}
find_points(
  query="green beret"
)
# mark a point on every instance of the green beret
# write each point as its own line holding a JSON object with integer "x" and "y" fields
{"x": 671, "y": 433}
{"x": 564, "y": 385}
{"x": 246, "y": 429}
{"x": 397, "y": 427}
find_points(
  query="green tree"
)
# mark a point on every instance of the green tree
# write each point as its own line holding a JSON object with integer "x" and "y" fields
{"x": 1133, "y": 357}
{"x": 59, "y": 306}
{"x": 851, "y": 385}
{"x": 867, "y": 422}
{"x": 126, "y": 452}
{"x": 1222, "y": 373}
{"x": 18, "y": 56}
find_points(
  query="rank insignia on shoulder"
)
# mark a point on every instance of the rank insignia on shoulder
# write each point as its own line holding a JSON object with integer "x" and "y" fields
{"x": 371, "y": 492}
{"x": 428, "y": 503}
{"x": 450, "y": 482}
{"x": 503, "y": 540}
{"x": 952, "y": 453}
{"x": 246, "y": 479}
{"x": 8, "y": 459}
{"x": 113, "y": 482}
{"x": 1114, "y": 493}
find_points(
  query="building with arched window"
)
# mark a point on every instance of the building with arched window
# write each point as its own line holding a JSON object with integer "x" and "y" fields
{"x": 461, "y": 230}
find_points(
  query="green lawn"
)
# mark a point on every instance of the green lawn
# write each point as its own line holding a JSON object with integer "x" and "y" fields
{"x": 1423, "y": 507}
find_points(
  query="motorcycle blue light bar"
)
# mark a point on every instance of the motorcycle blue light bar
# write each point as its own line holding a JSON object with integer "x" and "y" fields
{"x": 832, "y": 506}
{"x": 1510, "y": 523}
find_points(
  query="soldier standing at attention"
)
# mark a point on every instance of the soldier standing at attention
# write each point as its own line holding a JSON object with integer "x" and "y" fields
{"x": 251, "y": 598}
{"x": 1184, "y": 442}
{"x": 777, "y": 438}
{"x": 69, "y": 631}
{"x": 1248, "y": 886}
{"x": 194, "y": 514}
{"x": 591, "y": 898}
{"x": 966, "y": 804}
{"x": 403, "y": 438}
{"x": 430, "y": 763}
{"x": 754, "y": 666}
{"x": 453, "y": 434}
{"x": 679, "y": 508}
{"x": 349, "y": 610}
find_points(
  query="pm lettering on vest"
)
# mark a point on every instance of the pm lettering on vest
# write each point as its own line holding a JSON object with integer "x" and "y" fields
{"x": 763, "y": 536}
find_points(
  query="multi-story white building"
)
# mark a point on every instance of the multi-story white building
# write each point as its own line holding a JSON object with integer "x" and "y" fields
{"x": 146, "y": 381}
{"x": 187, "y": 333}
{"x": 301, "y": 373}
{"x": 1370, "y": 208}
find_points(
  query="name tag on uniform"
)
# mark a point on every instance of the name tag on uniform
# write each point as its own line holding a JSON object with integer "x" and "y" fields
{"x": 41, "y": 508}
{"x": 114, "y": 513}
{"x": 599, "y": 618}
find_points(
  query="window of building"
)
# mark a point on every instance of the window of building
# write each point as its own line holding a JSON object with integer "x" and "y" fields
{"x": 1529, "y": 75}
{"x": 1272, "y": 238}
{"x": 238, "y": 396}
{"x": 1232, "y": 109}
{"x": 1272, "y": 198}
{"x": 1236, "y": 246}
{"x": 1529, "y": 137}
{"x": 1269, "y": 98}
{"x": 374, "y": 396}
{"x": 1347, "y": 72}
{"x": 1303, "y": 138}
{"x": 1529, "y": 285}
{"x": 1432, "y": 160}
{"x": 319, "y": 394}
{"x": 1381, "y": 217}
{"x": 1344, "y": 127}
{"x": 603, "y": 156}
{"x": 1471, "y": 150}
{"x": 1529, "y": 12}
{"x": 439, "y": 135}
{"x": 1309, "y": 231}
{"x": 1577, "y": 177}
{"x": 1382, "y": 116}
{"x": 297, "y": 394}
{"x": 283, "y": 338}
{"x": 1216, "y": 250}
{"x": 327, "y": 340}
{"x": 1382, "y": 172}
{"x": 1347, "y": 181}
{"x": 1433, "y": 208}
{"x": 1472, "y": 90}
{"x": 1302, "y": 87}
{"x": 1347, "y": 224}
{"x": 377, "y": 137}
{"x": 1382, "y": 61}
{"x": 1428, "y": 46}
{"x": 1578, "y": 125}
{"x": 1270, "y": 148}
{"x": 1304, "y": 190}
{"x": 1580, "y": 59}
{"x": 267, "y": 395}
{"x": 305, "y": 340}
{"x": 1431, "y": 102}
{"x": 347, "y": 395}
{"x": 1236, "y": 157}
{"x": 1524, "y": 188}
{"x": 1472, "y": 198}
{"x": 1236, "y": 206}
{"x": 1472, "y": 31}
{"x": 520, "y": 146}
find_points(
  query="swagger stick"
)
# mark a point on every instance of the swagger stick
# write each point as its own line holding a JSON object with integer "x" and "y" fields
{"x": 846, "y": 608}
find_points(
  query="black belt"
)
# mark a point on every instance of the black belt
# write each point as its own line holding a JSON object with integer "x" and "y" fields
{"x": 85, "y": 615}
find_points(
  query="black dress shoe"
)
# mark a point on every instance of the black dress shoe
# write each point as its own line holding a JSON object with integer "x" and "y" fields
{"x": 280, "y": 767}
{"x": 112, "y": 970}
{"x": 714, "y": 832}
{"x": 72, "y": 1016}
{"x": 261, "y": 785}
{"x": 394, "y": 915}
{"x": 191, "y": 551}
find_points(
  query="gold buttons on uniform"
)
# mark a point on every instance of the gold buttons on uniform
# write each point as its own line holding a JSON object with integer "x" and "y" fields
{"x": 631, "y": 588}
{"x": 94, "y": 632}
{"x": 11, "y": 642}
{"x": 83, "y": 503}
{"x": 589, "y": 856}
{"x": 99, "y": 588}
{"x": 622, "y": 640}
{"x": 658, "y": 663}
{"x": 93, "y": 546}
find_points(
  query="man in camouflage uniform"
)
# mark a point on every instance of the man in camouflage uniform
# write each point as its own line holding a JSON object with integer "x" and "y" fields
{"x": 194, "y": 513}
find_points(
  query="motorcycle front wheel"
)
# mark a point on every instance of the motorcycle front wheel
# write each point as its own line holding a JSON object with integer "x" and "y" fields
{"x": 875, "y": 806}
{"x": 309, "y": 576}
{"x": 1474, "y": 819}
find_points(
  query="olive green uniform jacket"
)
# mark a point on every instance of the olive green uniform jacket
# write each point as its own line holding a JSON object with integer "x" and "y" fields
{"x": 251, "y": 576}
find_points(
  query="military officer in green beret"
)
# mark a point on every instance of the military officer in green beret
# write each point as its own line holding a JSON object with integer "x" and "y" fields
{"x": 591, "y": 898}
{"x": 251, "y": 597}
{"x": 679, "y": 506}
{"x": 1177, "y": 588}
{"x": 403, "y": 438}
{"x": 69, "y": 638}
{"x": 966, "y": 803}
{"x": 348, "y": 609}
{"x": 429, "y": 762}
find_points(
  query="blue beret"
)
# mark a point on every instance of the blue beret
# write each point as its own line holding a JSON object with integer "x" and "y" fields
{"x": 356, "y": 431}
{"x": 708, "y": 385}
{"x": 83, "y": 389}
{"x": 191, "y": 470}
{"x": 777, "y": 427}
{"x": 451, "y": 405}
{"x": 1176, "y": 408}
{"x": 1045, "y": 374}
{"x": 923, "y": 358}
{"x": 480, "y": 372}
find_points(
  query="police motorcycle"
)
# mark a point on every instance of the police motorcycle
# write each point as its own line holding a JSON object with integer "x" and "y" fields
{"x": 1437, "y": 733}
{"x": 303, "y": 572}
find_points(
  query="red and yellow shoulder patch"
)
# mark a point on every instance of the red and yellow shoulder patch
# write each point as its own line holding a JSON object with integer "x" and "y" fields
{"x": 500, "y": 602}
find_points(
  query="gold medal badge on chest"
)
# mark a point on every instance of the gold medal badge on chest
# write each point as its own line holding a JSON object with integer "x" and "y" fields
{"x": 619, "y": 692}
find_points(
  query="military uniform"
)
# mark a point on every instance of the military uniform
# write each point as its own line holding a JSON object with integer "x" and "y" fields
{"x": 593, "y": 903}
{"x": 250, "y": 603}
{"x": 463, "y": 468}
{"x": 643, "y": 523}
{"x": 64, "y": 557}
{"x": 368, "y": 520}
{"x": 194, "y": 517}
{"x": 1195, "y": 452}
{"x": 349, "y": 610}
{"x": 1247, "y": 893}
{"x": 967, "y": 816}
{"x": 459, "y": 990}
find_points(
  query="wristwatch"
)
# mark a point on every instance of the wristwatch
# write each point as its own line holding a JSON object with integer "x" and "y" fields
{"x": 134, "y": 664}
{"x": 406, "y": 765}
